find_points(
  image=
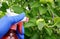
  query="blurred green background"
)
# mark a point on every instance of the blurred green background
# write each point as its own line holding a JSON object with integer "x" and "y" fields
{"x": 44, "y": 17}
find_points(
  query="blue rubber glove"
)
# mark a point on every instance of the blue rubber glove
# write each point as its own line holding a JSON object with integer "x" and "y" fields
{"x": 6, "y": 22}
{"x": 21, "y": 36}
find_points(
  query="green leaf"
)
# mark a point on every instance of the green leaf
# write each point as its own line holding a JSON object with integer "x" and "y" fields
{"x": 35, "y": 36}
{"x": 17, "y": 9}
{"x": 31, "y": 23}
{"x": 42, "y": 10}
{"x": 58, "y": 2}
{"x": 40, "y": 23}
{"x": 43, "y": 1}
{"x": 28, "y": 31}
{"x": 16, "y": 1}
{"x": 57, "y": 21}
{"x": 50, "y": 37}
{"x": 34, "y": 4}
{"x": 2, "y": 14}
{"x": 4, "y": 7}
{"x": 34, "y": 12}
{"x": 49, "y": 31}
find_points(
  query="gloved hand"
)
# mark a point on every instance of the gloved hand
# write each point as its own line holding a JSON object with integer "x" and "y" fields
{"x": 6, "y": 22}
